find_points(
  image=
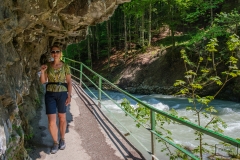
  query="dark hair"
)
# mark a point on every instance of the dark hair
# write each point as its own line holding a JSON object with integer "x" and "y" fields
{"x": 55, "y": 46}
{"x": 43, "y": 59}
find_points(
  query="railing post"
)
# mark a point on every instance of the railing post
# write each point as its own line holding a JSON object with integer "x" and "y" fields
{"x": 153, "y": 126}
{"x": 81, "y": 68}
{"x": 99, "y": 92}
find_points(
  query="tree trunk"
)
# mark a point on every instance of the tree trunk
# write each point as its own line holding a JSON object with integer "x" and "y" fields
{"x": 119, "y": 32}
{"x": 173, "y": 38}
{"x": 136, "y": 37}
{"x": 89, "y": 49}
{"x": 211, "y": 12}
{"x": 142, "y": 31}
{"x": 129, "y": 33}
{"x": 93, "y": 40}
{"x": 79, "y": 52}
{"x": 171, "y": 25}
{"x": 97, "y": 39}
{"x": 108, "y": 50}
{"x": 125, "y": 38}
{"x": 150, "y": 25}
{"x": 110, "y": 37}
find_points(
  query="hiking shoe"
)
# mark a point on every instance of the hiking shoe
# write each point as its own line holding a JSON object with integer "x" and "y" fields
{"x": 54, "y": 148}
{"x": 62, "y": 144}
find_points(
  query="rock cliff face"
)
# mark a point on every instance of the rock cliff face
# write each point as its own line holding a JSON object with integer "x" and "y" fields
{"x": 27, "y": 29}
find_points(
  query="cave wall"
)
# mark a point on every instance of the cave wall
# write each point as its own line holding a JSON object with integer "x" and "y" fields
{"x": 27, "y": 29}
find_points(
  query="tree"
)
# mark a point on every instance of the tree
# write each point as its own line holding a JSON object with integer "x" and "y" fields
{"x": 173, "y": 12}
{"x": 200, "y": 75}
{"x": 97, "y": 41}
{"x": 150, "y": 24}
{"x": 230, "y": 21}
{"x": 200, "y": 10}
{"x": 89, "y": 48}
{"x": 109, "y": 47}
{"x": 136, "y": 9}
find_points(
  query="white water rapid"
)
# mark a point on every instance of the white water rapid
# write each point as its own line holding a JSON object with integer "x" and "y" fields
{"x": 227, "y": 111}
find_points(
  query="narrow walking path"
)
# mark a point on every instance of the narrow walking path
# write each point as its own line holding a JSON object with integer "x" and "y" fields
{"x": 89, "y": 135}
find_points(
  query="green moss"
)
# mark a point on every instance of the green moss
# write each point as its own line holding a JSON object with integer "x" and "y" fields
{"x": 16, "y": 151}
{"x": 18, "y": 129}
{"x": 37, "y": 100}
{"x": 28, "y": 137}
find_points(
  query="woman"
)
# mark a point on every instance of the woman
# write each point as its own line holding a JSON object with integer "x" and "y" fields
{"x": 58, "y": 95}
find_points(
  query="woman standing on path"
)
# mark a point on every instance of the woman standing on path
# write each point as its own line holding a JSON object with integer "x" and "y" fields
{"x": 58, "y": 96}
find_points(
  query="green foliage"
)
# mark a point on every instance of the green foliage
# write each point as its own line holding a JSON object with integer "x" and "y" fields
{"x": 135, "y": 8}
{"x": 142, "y": 114}
{"x": 198, "y": 76}
{"x": 167, "y": 41}
{"x": 224, "y": 26}
{"x": 228, "y": 21}
{"x": 88, "y": 62}
{"x": 200, "y": 8}
{"x": 181, "y": 16}
{"x": 28, "y": 137}
{"x": 103, "y": 53}
{"x": 233, "y": 44}
{"x": 211, "y": 46}
{"x": 95, "y": 79}
{"x": 38, "y": 101}
{"x": 230, "y": 150}
{"x": 18, "y": 130}
{"x": 75, "y": 50}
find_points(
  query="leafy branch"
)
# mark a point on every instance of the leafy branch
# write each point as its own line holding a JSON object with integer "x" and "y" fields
{"x": 199, "y": 75}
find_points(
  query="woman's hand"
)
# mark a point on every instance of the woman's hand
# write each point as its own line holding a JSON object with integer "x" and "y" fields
{"x": 43, "y": 75}
{"x": 68, "y": 101}
{"x": 43, "y": 68}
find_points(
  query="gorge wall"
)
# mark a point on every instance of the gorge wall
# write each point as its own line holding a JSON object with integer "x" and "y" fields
{"x": 27, "y": 29}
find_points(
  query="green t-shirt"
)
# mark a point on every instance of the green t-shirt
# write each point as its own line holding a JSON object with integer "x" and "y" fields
{"x": 57, "y": 75}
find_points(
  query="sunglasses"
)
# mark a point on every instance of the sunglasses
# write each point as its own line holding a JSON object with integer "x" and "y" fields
{"x": 57, "y": 51}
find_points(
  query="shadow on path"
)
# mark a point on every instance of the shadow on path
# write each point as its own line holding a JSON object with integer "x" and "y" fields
{"x": 121, "y": 144}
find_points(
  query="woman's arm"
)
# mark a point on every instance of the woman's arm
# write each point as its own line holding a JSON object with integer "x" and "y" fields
{"x": 69, "y": 84}
{"x": 43, "y": 75}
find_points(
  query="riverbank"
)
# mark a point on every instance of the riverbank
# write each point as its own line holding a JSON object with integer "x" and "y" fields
{"x": 154, "y": 71}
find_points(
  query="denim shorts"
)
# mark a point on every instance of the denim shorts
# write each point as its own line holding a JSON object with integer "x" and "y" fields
{"x": 55, "y": 102}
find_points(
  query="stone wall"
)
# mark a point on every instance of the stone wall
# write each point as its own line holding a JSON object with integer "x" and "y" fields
{"x": 27, "y": 29}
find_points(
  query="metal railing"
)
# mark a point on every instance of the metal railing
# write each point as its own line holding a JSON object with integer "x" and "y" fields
{"x": 83, "y": 69}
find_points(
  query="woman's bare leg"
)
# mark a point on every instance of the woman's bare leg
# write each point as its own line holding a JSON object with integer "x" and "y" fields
{"x": 62, "y": 124}
{"x": 53, "y": 127}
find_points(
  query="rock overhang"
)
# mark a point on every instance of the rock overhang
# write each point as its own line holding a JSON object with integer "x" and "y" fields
{"x": 63, "y": 21}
